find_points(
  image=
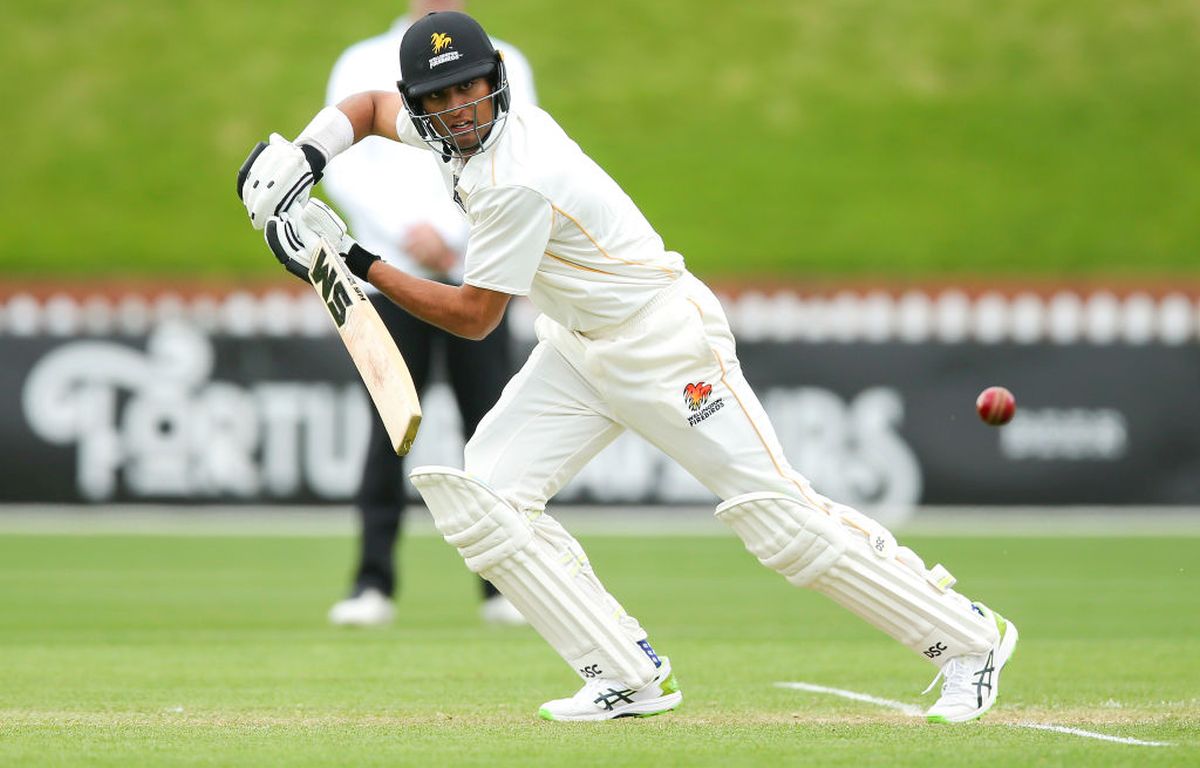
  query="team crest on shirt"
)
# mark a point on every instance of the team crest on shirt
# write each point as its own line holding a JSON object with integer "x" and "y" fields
{"x": 696, "y": 397}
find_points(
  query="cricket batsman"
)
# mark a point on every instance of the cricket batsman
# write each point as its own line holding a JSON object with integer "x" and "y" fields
{"x": 627, "y": 339}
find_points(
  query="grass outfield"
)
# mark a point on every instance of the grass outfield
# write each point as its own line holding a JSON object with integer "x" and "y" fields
{"x": 120, "y": 650}
{"x": 1028, "y": 138}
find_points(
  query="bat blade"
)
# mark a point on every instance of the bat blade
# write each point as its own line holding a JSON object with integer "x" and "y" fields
{"x": 371, "y": 347}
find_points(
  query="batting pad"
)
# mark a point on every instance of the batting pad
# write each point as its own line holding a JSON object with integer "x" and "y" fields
{"x": 854, "y": 560}
{"x": 567, "y": 607}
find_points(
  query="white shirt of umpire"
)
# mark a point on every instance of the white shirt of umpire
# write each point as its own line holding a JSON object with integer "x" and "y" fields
{"x": 383, "y": 188}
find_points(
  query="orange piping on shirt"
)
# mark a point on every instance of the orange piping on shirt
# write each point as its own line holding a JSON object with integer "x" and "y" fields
{"x": 605, "y": 253}
{"x": 578, "y": 266}
{"x": 857, "y": 527}
{"x": 716, "y": 355}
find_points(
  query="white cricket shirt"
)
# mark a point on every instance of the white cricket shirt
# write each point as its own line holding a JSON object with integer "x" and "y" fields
{"x": 548, "y": 223}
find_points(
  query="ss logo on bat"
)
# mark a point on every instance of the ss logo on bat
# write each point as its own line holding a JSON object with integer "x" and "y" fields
{"x": 337, "y": 300}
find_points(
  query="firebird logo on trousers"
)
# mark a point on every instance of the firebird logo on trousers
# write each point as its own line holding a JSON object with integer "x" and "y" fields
{"x": 696, "y": 397}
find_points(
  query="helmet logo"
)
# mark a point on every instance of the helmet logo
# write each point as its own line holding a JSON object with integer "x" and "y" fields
{"x": 440, "y": 42}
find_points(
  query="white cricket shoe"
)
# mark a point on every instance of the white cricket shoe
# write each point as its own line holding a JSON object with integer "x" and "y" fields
{"x": 971, "y": 682}
{"x": 602, "y": 699}
{"x": 369, "y": 608}
{"x": 498, "y": 610}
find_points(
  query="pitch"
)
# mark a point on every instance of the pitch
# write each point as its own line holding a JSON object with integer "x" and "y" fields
{"x": 212, "y": 650}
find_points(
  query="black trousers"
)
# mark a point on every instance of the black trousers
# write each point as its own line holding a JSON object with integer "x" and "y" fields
{"x": 478, "y": 371}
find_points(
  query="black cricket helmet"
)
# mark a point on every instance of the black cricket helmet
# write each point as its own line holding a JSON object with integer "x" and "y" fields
{"x": 444, "y": 49}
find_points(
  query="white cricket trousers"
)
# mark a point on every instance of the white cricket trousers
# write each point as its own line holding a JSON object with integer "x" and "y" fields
{"x": 670, "y": 373}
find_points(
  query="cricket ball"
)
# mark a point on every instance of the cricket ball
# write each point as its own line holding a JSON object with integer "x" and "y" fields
{"x": 996, "y": 405}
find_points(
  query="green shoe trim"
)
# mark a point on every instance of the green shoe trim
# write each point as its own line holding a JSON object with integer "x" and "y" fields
{"x": 942, "y": 719}
{"x": 670, "y": 685}
{"x": 545, "y": 714}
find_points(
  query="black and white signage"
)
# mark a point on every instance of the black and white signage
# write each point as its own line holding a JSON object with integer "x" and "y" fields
{"x": 187, "y": 413}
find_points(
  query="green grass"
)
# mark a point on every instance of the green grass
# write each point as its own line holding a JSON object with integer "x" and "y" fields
{"x": 1029, "y": 138}
{"x": 173, "y": 651}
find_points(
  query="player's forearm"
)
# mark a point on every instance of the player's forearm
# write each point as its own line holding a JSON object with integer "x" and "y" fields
{"x": 281, "y": 172}
{"x": 372, "y": 113}
{"x": 335, "y": 129}
{"x": 436, "y": 303}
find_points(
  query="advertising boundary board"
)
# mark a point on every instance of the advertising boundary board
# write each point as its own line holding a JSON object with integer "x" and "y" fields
{"x": 234, "y": 401}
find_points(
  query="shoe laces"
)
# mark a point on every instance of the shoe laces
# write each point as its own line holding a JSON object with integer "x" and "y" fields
{"x": 953, "y": 674}
{"x": 606, "y": 688}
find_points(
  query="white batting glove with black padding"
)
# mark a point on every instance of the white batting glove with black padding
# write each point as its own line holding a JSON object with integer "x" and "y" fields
{"x": 278, "y": 176}
{"x": 294, "y": 234}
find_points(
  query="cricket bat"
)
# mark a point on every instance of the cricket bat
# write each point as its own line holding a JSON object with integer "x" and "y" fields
{"x": 371, "y": 347}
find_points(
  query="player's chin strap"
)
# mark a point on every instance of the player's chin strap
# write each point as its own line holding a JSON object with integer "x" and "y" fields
{"x": 547, "y": 580}
{"x": 854, "y": 560}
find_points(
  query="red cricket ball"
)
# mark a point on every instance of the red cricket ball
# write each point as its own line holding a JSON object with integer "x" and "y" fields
{"x": 996, "y": 405}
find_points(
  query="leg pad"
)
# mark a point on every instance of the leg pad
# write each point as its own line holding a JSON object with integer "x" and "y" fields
{"x": 563, "y": 601}
{"x": 854, "y": 560}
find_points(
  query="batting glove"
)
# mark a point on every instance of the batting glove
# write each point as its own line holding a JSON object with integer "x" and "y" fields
{"x": 294, "y": 235}
{"x": 276, "y": 176}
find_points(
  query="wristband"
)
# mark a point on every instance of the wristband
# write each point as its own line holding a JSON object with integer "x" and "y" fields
{"x": 315, "y": 159}
{"x": 330, "y": 133}
{"x": 359, "y": 260}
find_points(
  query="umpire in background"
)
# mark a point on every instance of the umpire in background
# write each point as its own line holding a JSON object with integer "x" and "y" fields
{"x": 399, "y": 205}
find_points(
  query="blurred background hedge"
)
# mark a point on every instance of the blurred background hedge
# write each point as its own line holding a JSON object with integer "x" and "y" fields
{"x": 1032, "y": 138}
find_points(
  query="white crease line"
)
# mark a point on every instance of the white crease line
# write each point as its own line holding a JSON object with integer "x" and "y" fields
{"x": 899, "y": 706}
{"x": 912, "y": 711}
{"x": 1093, "y": 734}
